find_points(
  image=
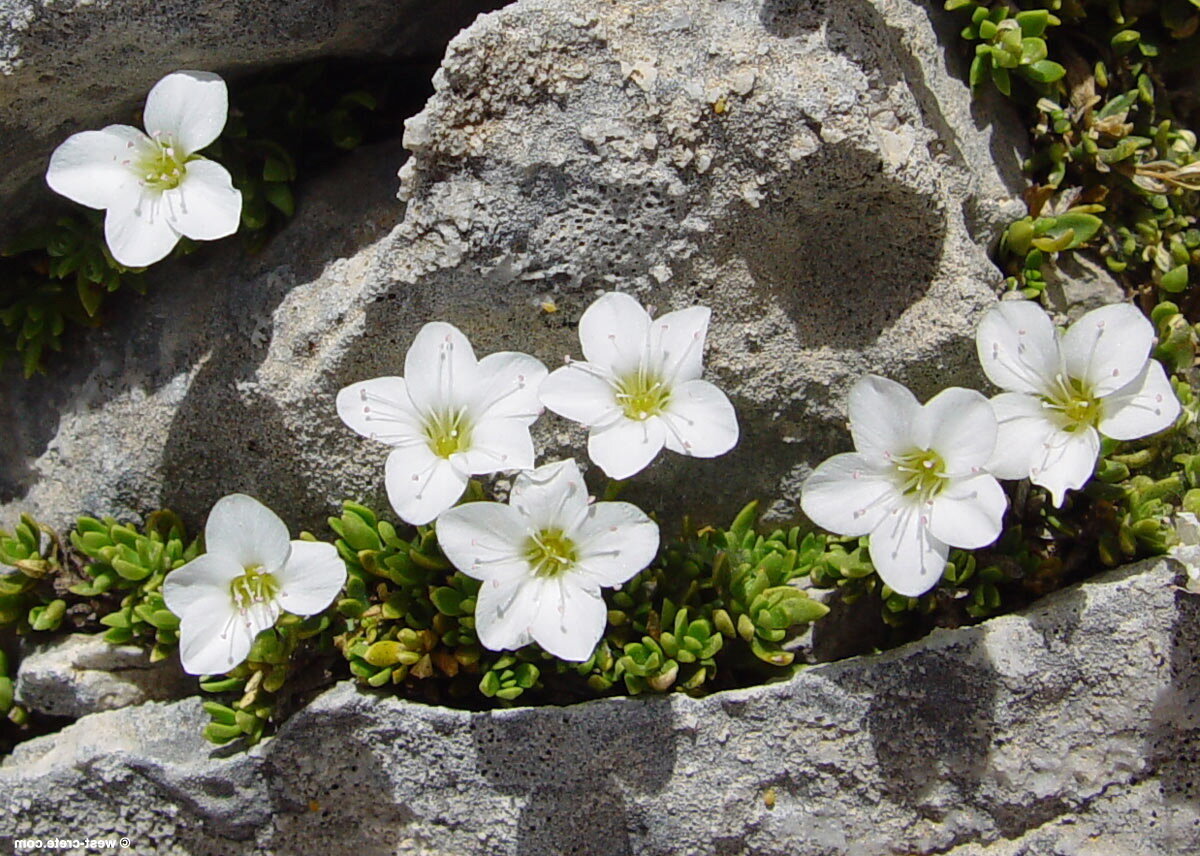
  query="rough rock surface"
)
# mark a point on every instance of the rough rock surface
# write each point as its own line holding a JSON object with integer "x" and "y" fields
{"x": 1069, "y": 729}
{"x": 70, "y": 65}
{"x": 813, "y": 171}
{"x": 83, "y": 674}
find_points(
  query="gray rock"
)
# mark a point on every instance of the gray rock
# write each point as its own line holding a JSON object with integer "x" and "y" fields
{"x": 1077, "y": 283}
{"x": 811, "y": 171}
{"x": 83, "y": 674}
{"x": 72, "y": 65}
{"x": 1068, "y": 729}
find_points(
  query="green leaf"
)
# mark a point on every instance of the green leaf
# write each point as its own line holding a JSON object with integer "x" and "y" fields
{"x": 1001, "y": 79}
{"x": 1175, "y": 280}
{"x": 1033, "y": 23}
{"x": 1043, "y": 71}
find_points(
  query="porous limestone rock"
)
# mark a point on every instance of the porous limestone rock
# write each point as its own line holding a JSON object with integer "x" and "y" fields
{"x": 816, "y": 172}
{"x": 83, "y": 674}
{"x": 1069, "y": 729}
{"x": 71, "y": 65}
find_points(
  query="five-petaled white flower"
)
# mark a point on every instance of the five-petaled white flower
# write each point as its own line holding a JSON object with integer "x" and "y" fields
{"x": 640, "y": 387}
{"x": 1063, "y": 393}
{"x": 449, "y": 417}
{"x": 916, "y": 484}
{"x": 250, "y": 574}
{"x": 154, "y": 186}
{"x": 543, "y": 559}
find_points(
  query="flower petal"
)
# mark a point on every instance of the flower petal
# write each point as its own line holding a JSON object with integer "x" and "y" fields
{"x": 311, "y": 578}
{"x": 1018, "y": 347}
{"x": 905, "y": 553}
{"x": 1108, "y": 347}
{"x": 138, "y": 234}
{"x": 1142, "y": 407}
{"x": 626, "y": 446}
{"x": 420, "y": 485}
{"x": 699, "y": 420}
{"x": 507, "y": 387}
{"x": 188, "y": 108}
{"x": 485, "y": 540}
{"x": 191, "y": 587}
{"x": 440, "y": 369}
{"x": 1065, "y": 461}
{"x": 569, "y": 620}
{"x": 1024, "y": 426}
{"x": 95, "y": 168}
{"x": 213, "y": 641}
{"x": 961, "y": 427}
{"x": 677, "y": 339}
{"x": 613, "y": 332}
{"x": 205, "y": 206}
{"x": 580, "y": 392}
{"x": 244, "y": 531}
{"x": 847, "y": 495}
{"x": 381, "y": 410}
{"x": 554, "y": 496}
{"x": 505, "y": 611}
{"x": 968, "y": 512}
{"x": 882, "y": 417}
{"x": 614, "y": 541}
{"x": 499, "y": 444}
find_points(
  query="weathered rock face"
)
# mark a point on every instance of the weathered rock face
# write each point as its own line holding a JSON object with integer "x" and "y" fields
{"x": 811, "y": 171}
{"x": 1070, "y": 729}
{"x": 77, "y": 64}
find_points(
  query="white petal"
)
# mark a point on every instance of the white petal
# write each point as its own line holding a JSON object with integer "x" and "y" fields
{"x": 96, "y": 168}
{"x": 1065, "y": 461}
{"x": 554, "y": 496}
{"x": 848, "y": 495}
{"x": 614, "y": 541}
{"x": 440, "y": 369}
{"x": 204, "y": 206}
{"x": 677, "y": 340}
{"x": 1108, "y": 347}
{"x": 905, "y": 553}
{"x": 968, "y": 512}
{"x": 381, "y": 410}
{"x": 1024, "y": 426}
{"x": 188, "y": 108}
{"x": 882, "y": 416}
{"x": 246, "y": 532}
{"x": 311, "y": 578}
{"x": 1145, "y": 406}
{"x": 138, "y": 234}
{"x": 507, "y": 387}
{"x": 580, "y": 392}
{"x": 504, "y": 612}
{"x": 626, "y": 446}
{"x": 420, "y": 485}
{"x": 1018, "y": 347}
{"x": 214, "y": 641}
{"x": 499, "y": 444}
{"x": 699, "y": 420}
{"x": 569, "y": 620}
{"x": 613, "y": 333}
{"x": 191, "y": 588}
{"x": 961, "y": 427}
{"x": 485, "y": 540}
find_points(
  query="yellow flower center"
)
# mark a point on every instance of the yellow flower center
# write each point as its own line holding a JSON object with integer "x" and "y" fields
{"x": 1075, "y": 401}
{"x": 252, "y": 587}
{"x": 448, "y": 433}
{"x": 922, "y": 472}
{"x": 642, "y": 395}
{"x": 550, "y": 553}
{"x": 163, "y": 166}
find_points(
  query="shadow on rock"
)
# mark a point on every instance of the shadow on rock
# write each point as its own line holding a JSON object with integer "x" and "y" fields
{"x": 571, "y": 769}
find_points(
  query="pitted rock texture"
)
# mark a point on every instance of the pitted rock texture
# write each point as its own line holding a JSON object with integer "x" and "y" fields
{"x": 813, "y": 171}
{"x": 72, "y": 65}
{"x": 83, "y": 674}
{"x": 1069, "y": 729}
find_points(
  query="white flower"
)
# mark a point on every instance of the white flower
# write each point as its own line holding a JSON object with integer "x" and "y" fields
{"x": 640, "y": 389}
{"x": 449, "y": 417}
{"x": 544, "y": 558}
{"x": 917, "y": 483}
{"x": 155, "y": 187}
{"x": 1063, "y": 393}
{"x": 249, "y": 575}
